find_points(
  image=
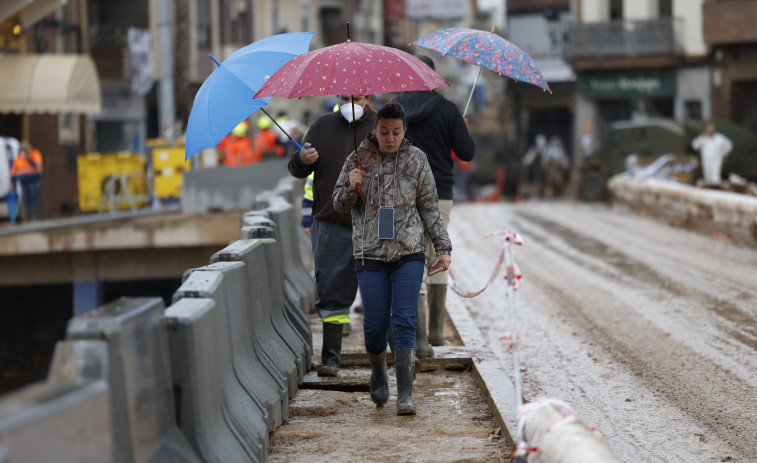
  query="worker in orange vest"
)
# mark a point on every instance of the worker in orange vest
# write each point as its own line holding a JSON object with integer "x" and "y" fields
{"x": 237, "y": 147}
{"x": 266, "y": 142}
{"x": 27, "y": 169}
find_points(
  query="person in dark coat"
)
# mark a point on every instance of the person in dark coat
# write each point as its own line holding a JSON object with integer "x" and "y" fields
{"x": 435, "y": 125}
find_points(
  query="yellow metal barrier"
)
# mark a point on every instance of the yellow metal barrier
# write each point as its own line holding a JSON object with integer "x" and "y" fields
{"x": 168, "y": 170}
{"x": 117, "y": 179}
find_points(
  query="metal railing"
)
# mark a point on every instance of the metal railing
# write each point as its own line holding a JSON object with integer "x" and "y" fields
{"x": 624, "y": 38}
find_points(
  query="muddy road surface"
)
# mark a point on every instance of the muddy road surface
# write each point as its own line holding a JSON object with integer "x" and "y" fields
{"x": 649, "y": 332}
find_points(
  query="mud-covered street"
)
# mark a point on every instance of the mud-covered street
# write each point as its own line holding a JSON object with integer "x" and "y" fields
{"x": 649, "y": 332}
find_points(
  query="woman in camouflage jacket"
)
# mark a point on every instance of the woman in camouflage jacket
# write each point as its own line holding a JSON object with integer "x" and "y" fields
{"x": 393, "y": 176}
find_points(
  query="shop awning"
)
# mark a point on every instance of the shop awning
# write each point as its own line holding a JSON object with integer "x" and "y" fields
{"x": 49, "y": 84}
{"x": 29, "y": 11}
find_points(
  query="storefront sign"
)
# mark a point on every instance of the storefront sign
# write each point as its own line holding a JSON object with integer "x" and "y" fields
{"x": 627, "y": 84}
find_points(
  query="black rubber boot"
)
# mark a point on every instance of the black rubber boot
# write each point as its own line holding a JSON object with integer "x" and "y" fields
{"x": 379, "y": 382}
{"x": 424, "y": 349}
{"x": 437, "y": 297}
{"x": 404, "y": 366}
{"x": 332, "y": 348}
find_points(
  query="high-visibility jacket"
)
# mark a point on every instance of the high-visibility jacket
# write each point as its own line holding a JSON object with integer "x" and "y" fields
{"x": 237, "y": 151}
{"x": 24, "y": 165}
{"x": 307, "y": 202}
{"x": 265, "y": 143}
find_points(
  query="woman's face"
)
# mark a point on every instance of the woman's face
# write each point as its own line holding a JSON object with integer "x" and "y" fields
{"x": 389, "y": 133}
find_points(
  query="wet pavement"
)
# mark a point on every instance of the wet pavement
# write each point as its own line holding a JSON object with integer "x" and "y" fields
{"x": 335, "y": 419}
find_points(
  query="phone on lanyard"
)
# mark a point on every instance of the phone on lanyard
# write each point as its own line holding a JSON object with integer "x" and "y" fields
{"x": 386, "y": 223}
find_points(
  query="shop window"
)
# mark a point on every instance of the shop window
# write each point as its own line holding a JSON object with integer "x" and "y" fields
{"x": 203, "y": 23}
{"x": 616, "y": 10}
{"x": 665, "y": 8}
{"x": 693, "y": 109}
{"x": 68, "y": 129}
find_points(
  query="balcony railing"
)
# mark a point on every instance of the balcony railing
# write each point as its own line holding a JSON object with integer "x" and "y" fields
{"x": 624, "y": 38}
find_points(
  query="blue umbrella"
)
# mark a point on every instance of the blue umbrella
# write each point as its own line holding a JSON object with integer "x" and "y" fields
{"x": 226, "y": 97}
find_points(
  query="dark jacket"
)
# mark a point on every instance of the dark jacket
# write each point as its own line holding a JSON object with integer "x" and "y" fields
{"x": 408, "y": 187}
{"x": 436, "y": 126}
{"x": 332, "y": 136}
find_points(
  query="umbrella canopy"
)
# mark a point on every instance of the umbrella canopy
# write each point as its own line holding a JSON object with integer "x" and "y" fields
{"x": 351, "y": 68}
{"x": 485, "y": 49}
{"x": 227, "y": 96}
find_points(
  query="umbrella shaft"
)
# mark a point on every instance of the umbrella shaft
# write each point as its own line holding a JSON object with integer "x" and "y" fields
{"x": 475, "y": 82}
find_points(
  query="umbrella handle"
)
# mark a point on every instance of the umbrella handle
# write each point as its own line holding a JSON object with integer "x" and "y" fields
{"x": 285, "y": 132}
{"x": 471, "y": 91}
{"x": 359, "y": 186}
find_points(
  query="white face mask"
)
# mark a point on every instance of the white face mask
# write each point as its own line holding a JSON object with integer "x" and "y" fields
{"x": 346, "y": 110}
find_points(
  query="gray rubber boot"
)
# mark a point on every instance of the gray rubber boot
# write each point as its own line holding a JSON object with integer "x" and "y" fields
{"x": 404, "y": 366}
{"x": 421, "y": 330}
{"x": 332, "y": 349}
{"x": 437, "y": 298}
{"x": 379, "y": 382}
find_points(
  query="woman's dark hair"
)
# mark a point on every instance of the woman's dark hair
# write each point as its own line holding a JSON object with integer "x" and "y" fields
{"x": 391, "y": 111}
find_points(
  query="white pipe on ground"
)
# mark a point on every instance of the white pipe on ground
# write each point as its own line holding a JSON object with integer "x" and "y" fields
{"x": 554, "y": 434}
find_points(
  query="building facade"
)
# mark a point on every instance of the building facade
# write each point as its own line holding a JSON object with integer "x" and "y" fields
{"x": 730, "y": 33}
{"x": 636, "y": 60}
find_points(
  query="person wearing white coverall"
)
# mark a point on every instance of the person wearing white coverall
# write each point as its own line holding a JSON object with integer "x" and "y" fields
{"x": 713, "y": 147}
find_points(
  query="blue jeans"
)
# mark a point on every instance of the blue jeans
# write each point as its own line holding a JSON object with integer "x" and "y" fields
{"x": 390, "y": 297}
{"x": 335, "y": 277}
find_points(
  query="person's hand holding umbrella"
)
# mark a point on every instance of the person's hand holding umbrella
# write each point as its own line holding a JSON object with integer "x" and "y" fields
{"x": 356, "y": 178}
{"x": 308, "y": 154}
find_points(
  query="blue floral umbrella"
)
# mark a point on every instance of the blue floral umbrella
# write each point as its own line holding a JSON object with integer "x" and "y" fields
{"x": 226, "y": 97}
{"x": 487, "y": 50}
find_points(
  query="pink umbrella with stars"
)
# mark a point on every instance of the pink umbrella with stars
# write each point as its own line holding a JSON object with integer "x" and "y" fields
{"x": 351, "y": 68}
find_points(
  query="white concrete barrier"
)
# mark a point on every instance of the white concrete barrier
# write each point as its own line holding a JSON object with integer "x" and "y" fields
{"x": 711, "y": 211}
{"x": 554, "y": 434}
{"x": 139, "y": 375}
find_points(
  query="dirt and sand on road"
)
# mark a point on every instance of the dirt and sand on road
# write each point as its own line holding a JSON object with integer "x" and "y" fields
{"x": 648, "y": 331}
{"x": 337, "y": 421}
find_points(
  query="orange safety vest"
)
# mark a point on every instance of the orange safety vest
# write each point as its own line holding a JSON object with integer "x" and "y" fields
{"x": 265, "y": 142}
{"x": 27, "y": 165}
{"x": 237, "y": 151}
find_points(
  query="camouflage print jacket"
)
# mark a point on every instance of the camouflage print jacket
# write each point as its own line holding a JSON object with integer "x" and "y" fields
{"x": 408, "y": 186}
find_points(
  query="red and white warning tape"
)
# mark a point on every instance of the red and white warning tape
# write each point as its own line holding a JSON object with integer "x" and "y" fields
{"x": 507, "y": 237}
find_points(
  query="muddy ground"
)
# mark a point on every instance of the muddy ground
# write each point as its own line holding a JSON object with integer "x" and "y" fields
{"x": 648, "y": 331}
{"x": 335, "y": 420}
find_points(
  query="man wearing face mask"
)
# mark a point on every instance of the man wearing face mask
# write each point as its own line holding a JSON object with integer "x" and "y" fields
{"x": 327, "y": 143}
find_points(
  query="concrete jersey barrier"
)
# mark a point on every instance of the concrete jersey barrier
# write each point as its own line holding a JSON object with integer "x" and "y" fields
{"x": 256, "y": 383}
{"x": 284, "y": 215}
{"x": 275, "y": 334}
{"x": 209, "y": 397}
{"x": 41, "y": 423}
{"x": 258, "y": 224}
{"x": 139, "y": 375}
